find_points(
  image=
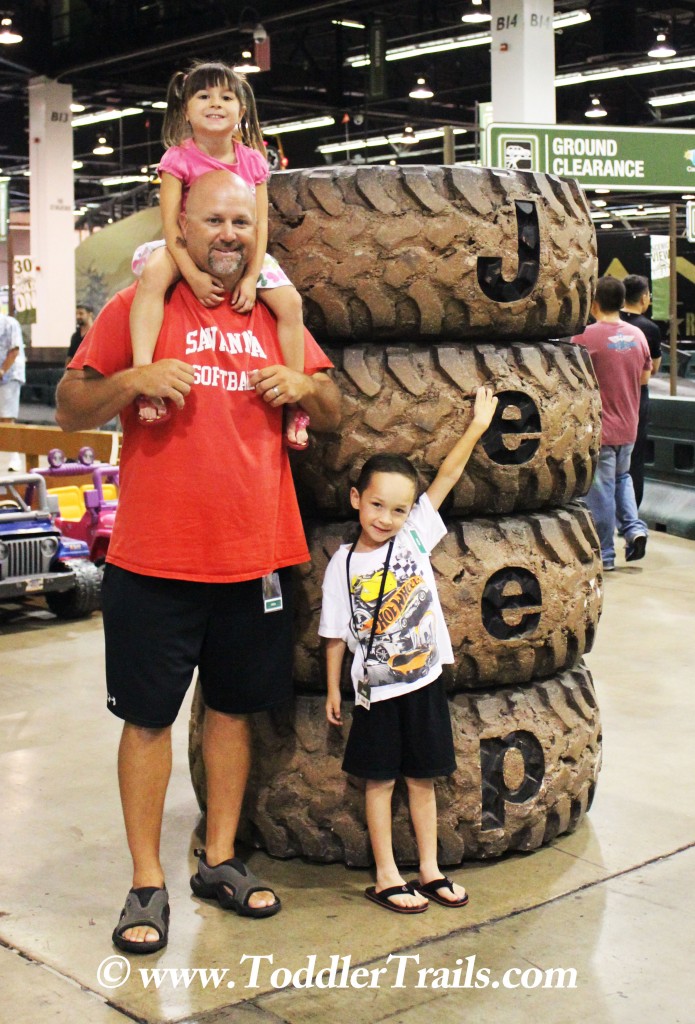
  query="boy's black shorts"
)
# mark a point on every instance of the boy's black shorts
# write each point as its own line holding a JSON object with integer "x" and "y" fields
{"x": 408, "y": 735}
{"x": 157, "y": 631}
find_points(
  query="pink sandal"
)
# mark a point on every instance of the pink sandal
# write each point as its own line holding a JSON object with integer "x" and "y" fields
{"x": 142, "y": 402}
{"x": 300, "y": 421}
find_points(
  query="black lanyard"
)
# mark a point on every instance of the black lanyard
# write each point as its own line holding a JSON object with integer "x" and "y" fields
{"x": 380, "y": 598}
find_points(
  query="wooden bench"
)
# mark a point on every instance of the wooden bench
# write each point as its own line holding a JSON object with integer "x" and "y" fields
{"x": 35, "y": 441}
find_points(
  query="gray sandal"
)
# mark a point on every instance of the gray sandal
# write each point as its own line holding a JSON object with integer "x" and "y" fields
{"x": 231, "y": 883}
{"x": 147, "y": 907}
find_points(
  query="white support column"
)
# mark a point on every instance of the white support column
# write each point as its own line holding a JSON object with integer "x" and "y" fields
{"x": 523, "y": 61}
{"x": 51, "y": 206}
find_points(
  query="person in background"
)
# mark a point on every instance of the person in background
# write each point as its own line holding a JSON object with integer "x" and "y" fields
{"x": 637, "y": 300}
{"x": 621, "y": 360}
{"x": 12, "y": 376}
{"x": 84, "y": 318}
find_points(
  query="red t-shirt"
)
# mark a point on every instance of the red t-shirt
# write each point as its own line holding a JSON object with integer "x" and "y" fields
{"x": 207, "y": 495}
{"x": 620, "y": 354}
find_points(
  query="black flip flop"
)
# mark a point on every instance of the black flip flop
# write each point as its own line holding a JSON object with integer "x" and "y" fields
{"x": 382, "y": 898}
{"x": 431, "y": 891}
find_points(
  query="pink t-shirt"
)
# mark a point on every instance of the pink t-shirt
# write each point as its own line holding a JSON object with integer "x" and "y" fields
{"x": 186, "y": 162}
{"x": 620, "y": 354}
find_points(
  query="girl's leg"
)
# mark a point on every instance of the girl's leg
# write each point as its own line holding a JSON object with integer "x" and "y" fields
{"x": 423, "y": 813}
{"x": 378, "y": 806}
{"x": 147, "y": 316}
{"x": 285, "y": 303}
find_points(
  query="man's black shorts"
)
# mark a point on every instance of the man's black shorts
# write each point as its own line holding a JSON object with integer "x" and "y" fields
{"x": 406, "y": 736}
{"x": 157, "y": 631}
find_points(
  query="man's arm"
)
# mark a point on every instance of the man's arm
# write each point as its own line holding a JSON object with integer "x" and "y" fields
{"x": 454, "y": 464}
{"x": 86, "y": 399}
{"x": 316, "y": 393}
{"x": 9, "y": 361}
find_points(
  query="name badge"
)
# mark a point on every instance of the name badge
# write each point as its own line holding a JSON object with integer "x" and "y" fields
{"x": 272, "y": 593}
{"x": 364, "y": 692}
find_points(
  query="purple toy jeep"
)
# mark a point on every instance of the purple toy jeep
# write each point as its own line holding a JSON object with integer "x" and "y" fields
{"x": 84, "y": 514}
{"x": 35, "y": 558}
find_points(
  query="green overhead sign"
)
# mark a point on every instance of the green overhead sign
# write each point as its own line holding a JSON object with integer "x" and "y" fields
{"x": 631, "y": 159}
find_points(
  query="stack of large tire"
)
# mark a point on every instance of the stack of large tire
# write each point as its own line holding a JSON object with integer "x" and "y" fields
{"x": 423, "y": 283}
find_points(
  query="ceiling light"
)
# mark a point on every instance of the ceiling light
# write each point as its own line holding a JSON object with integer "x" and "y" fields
{"x": 600, "y": 190}
{"x": 421, "y": 90}
{"x": 160, "y": 105}
{"x": 408, "y": 138}
{"x": 662, "y": 46}
{"x": 640, "y": 211}
{"x": 124, "y": 179}
{"x": 298, "y": 126}
{"x": 599, "y": 202}
{"x": 476, "y": 13}
{"x": 596, "y": 108}
{"x": 607, "y": 226}
{"x": 77, "y": 108}
{"x": 77, "y": 165}
{"x": 383, "y": 140}
{"x": 104, "y": 115}
{"x": 422, "y": 49}
{"x": 570, "y": 18}
{"x": 603, "y": 74}
{"x": 688, "y": 195}
{"x": 247, "y": 65}
{"x": 102, "y": 148}
{"x": 672, "y": 98}
{"x": 460, "y": 42}
{"x": 8, "y": 35}
{"x": 347, "y": 23}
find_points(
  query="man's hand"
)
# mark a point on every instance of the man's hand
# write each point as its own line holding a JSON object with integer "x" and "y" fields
{"x": 279, "y": 385}
{"x": 316, "y": 393}
{"x": 86, "y": 399}
{"x": 244, "y": 295}
{"x": 167, "y": 378}
{"x": 207, "y": 289}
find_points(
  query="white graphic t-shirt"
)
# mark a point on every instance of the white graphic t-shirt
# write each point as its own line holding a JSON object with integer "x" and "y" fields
{"x": 411, "y": 642}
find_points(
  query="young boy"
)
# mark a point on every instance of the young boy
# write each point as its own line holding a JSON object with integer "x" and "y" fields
{"x": 380, "y": 600}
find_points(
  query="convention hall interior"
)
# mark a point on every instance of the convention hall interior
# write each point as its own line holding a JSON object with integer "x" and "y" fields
{"x": 570, "y": 819}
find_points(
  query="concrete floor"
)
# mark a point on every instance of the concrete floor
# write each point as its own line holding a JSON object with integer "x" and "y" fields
{"x": 614, "y": 901}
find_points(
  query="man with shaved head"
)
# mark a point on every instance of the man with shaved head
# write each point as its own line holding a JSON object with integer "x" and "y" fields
{"x": 207, "y": 526}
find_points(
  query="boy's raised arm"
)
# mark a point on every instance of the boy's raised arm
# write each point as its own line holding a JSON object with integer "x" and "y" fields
{"x": 454, "y": 464}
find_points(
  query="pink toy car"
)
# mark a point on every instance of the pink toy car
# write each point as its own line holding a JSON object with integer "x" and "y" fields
{"x": 85, "y": 514}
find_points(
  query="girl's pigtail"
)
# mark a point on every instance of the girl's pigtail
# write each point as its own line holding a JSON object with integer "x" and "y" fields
{"x": 251, "y": 134}
{"x": 175, "y": 127}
